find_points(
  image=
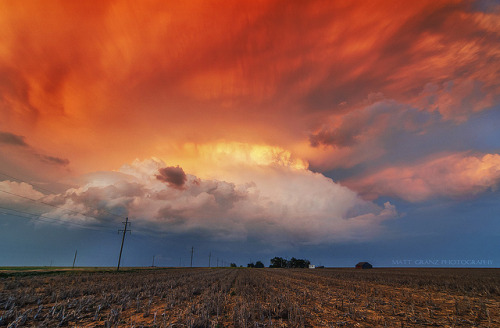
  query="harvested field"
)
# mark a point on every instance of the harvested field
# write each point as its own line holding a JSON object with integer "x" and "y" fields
{"x": 242, "y": 297}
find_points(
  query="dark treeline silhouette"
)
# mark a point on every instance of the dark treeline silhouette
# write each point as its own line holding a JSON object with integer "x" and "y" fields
{"x": 279, "y": 262}
{"x": 257, "y": 264}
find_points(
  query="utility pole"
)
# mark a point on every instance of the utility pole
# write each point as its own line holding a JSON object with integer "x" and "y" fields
{"x": 153, "y": 262}
{"x": 209, "y": 256}
{"x": 192, "y": 251}
{"x": 74, "y": 260}
{"x": 217, "y": 262}
{"x": 125, "y": 230}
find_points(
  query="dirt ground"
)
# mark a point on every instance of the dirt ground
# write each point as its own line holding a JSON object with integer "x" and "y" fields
{"x": 244, "y": 297}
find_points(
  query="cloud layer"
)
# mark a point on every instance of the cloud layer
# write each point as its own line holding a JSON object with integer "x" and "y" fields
{"x": 280, "y": 205}
{"x": 247, "y": 99}
{"x": 459, "y": 175}
{"x": 144, "y": 79}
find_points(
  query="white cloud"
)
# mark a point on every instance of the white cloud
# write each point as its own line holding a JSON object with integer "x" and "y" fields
{"x": 276, "y": 203}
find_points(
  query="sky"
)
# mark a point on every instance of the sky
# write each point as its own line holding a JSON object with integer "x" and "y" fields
{"x": 335, "y": 131}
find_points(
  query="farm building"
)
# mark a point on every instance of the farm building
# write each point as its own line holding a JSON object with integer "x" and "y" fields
{"x": 363, "y": 265}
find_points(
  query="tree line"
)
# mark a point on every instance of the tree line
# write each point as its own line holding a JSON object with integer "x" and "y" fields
{"x": 279, "y": 262}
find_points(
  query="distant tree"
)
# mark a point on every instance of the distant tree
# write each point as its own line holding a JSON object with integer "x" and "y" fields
{"x": 259, "y": 264}
{"x": 299, "y": 263}
{"x": 250, "y": 265}
{"x": 233, "y": 265}
{"x": 278, "y": 262}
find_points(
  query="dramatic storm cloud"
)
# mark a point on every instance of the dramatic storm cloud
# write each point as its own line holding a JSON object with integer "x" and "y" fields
{"x": 269, "y": 119}
{"x": 293, "y": 205}
{"x": 144, "y": 79}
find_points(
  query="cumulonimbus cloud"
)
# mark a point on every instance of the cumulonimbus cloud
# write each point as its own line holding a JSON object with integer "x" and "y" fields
{"x": 280, "y": 204}
{"x": 460, "y": 175}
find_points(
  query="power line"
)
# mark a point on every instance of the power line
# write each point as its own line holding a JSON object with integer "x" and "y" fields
{"x": 192, "y": 251}
{"x": 48, "y": 204}
{"x": 49, "y": 219}
{"x": 125, "y": 230}
{"x": 52, "y": 192}
{"x": 46, "y": 218}
{"x": 20, "y": 180}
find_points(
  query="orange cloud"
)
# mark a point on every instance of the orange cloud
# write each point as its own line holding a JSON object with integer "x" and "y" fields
{"x": 452, "y": 176}
{"x": 456, "y": 100}
{"x": 104, "y": 82}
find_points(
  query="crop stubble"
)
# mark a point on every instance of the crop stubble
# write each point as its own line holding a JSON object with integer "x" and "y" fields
{"x": 241, "y": 297}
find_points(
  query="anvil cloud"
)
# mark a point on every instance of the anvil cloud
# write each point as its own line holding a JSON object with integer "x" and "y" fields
{"x": 225, "y": 95}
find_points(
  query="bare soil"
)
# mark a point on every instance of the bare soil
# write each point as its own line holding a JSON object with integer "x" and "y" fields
{"x": 243, "y": 297}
